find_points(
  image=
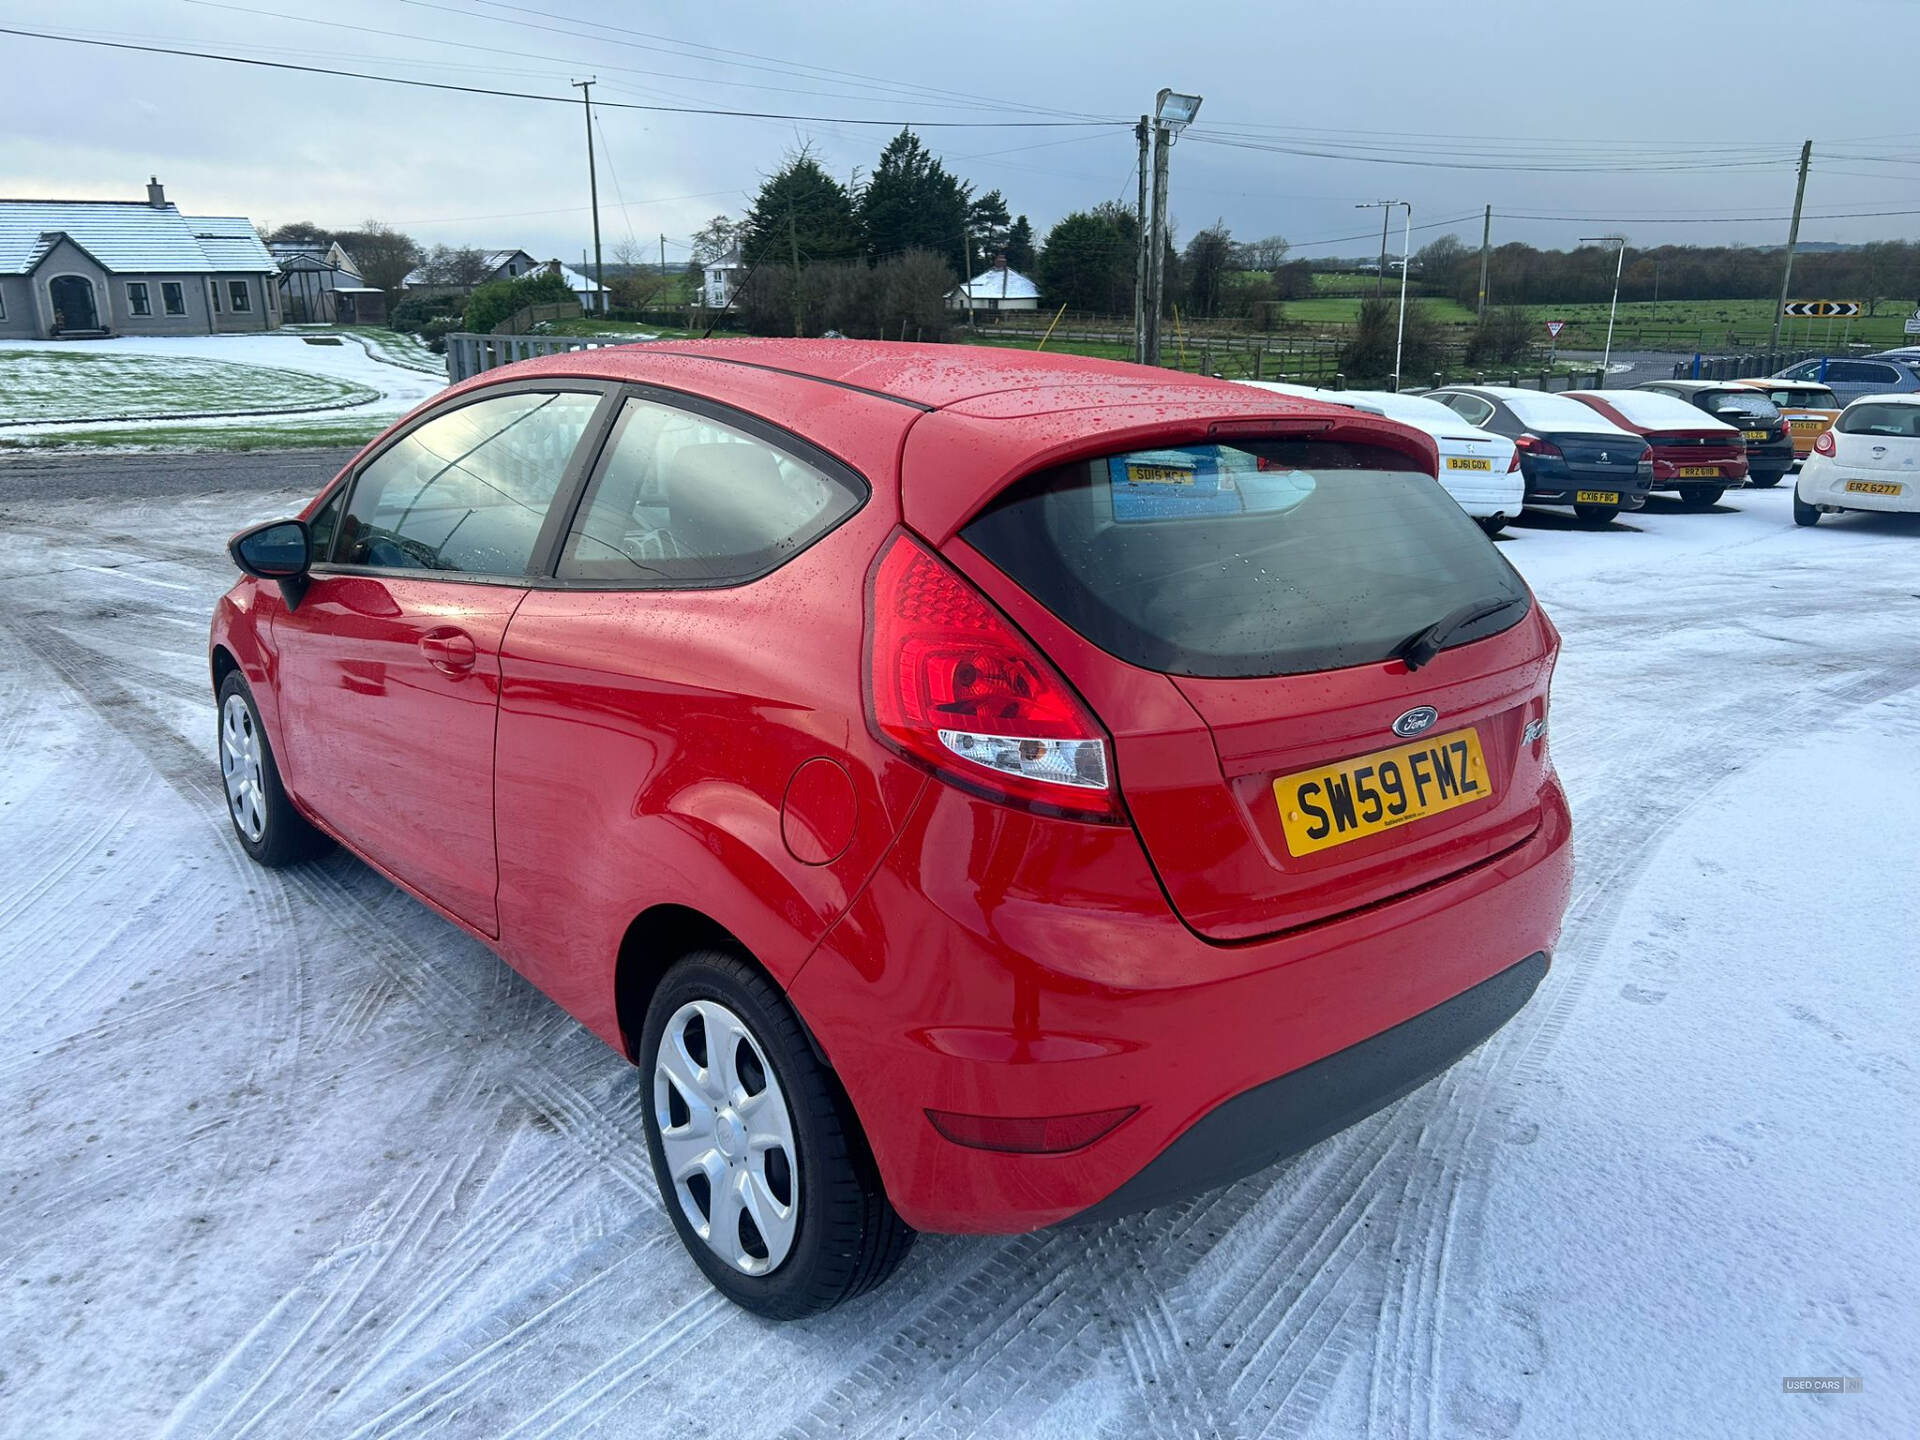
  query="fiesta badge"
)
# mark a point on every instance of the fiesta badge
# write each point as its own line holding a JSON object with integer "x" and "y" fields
{"x": 1416, "y": 721}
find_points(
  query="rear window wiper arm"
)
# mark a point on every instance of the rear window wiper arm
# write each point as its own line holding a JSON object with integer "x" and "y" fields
{"x": 1421, "y": 646}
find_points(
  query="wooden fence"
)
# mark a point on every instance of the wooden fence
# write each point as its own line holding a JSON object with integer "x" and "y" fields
{"x": 469, "y": 355}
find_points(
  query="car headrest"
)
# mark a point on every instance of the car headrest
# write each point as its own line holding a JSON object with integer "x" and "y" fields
{"x": 719, "y": 497}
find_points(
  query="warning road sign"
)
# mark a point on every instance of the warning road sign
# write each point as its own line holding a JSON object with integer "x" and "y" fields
{"x": 1822, "y": 309}
{"x": 1554, "y": 327}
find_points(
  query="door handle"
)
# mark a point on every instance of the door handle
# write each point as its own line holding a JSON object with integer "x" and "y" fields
{"x": 450, "y": 651}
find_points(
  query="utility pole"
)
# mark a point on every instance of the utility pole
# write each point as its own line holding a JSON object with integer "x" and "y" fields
{"x": 1793, "y": 239}
{"x": 585, "y": 88}
{"x": 1142, "y": 240}
{"x": 1157, "y": 242}
{"x": 663, "y": 255}
{"x": 1619, "y": 264}
{"x": 966, "y": 274}
{"x": 1486, "y": 248}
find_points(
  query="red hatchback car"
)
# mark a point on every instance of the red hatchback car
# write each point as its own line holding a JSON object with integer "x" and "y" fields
{"x": 979, "y": 790}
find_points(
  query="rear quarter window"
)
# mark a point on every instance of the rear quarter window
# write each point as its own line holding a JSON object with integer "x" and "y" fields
{"x": 1897, "y": 420}
{"x": 1261, "y": 558}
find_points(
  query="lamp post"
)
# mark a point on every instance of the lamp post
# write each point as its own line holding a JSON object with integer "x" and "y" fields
{"x": 1406, "y": 257}
{"x": 1172, "y": 113}
{"x": 1620, "y": 260}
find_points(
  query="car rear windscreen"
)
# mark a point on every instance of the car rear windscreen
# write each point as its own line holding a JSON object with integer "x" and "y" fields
{"x": 1741, "y": 405}
{"x": 1260, "y": 558}
{"x": 1881, "y": 419}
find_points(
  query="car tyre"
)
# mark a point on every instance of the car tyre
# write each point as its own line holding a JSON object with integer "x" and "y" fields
{"x": 1803, "y": 513}
{"x": 269, "y": 828}
{"x": 782, "y": 1130}
{"x": 1701, "y": 497}
{"x": 1596, "y": 517}
{"x": 1492, "y": 524}
{"x": 1763, "y": 482}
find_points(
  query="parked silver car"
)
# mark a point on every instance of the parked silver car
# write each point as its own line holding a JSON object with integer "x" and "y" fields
{"x": 1850, "y": 378}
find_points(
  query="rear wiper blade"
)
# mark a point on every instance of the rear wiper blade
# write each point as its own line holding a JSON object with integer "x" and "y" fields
{"x": 1421, "y": 646}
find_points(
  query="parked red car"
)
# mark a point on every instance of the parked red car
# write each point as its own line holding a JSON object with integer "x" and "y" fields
{"x": 1694, "y": 455}
{"x": 979, "y": 790}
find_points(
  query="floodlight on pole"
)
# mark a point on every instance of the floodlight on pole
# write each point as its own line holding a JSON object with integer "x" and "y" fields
{"x": 1620, "y": 260}
{"x": 1172, "y": 113}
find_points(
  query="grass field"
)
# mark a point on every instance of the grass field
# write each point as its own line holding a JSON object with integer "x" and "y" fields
{"x": 1713, "y": 325}
{"x": 39, "y": 386}
{"x": 240, "y": 435}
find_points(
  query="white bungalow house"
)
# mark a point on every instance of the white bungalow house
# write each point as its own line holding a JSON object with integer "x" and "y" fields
{"x": 593, "y": 298}
{"x": 996, "y": 289}
{"x": 76, "y": 268}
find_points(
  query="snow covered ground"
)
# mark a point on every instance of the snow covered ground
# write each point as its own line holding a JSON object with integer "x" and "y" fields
{"x": 287, "y": 1155}
{"x": 167, "y": 377}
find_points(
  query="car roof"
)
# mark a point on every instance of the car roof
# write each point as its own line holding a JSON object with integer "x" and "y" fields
{"x": 1897, "y": 397}
{"x": 1773, "y": 382}
{"x": 927, "y": 377}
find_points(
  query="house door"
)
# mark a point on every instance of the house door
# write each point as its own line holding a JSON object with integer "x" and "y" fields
{"x": 73, "y": 308}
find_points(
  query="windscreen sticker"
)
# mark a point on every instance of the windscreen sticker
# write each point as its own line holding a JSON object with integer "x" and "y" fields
{"x": 1199, "y": 481}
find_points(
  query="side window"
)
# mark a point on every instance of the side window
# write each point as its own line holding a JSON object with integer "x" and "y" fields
{"x": 172, "y": 298}
{"x": 682, "y": 499}
{"x": 469, "y": 490}
{"x": 1470, "y": 409}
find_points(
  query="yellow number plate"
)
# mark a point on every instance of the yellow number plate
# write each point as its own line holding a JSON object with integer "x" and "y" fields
{"x": 1333, "y": 804}
{"x": 1703, "y": 472}
{"x": 1753, "y": 434}
{"x": 1872, "y": 487}
{"x": 1159, "y": 475}
{"x": 1809, "y": 426}
{"x": 1596, "y": 497}
{"x": 1461, "y": 462}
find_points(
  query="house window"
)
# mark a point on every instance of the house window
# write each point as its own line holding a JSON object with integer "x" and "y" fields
{"x": 237, "y": 292}
{"x": 173, "y": 299}
{"x": 513, "y": 268}
{"x": 3, "y": 304}
{"x": 273, "y": 294}
{"x": 138, "y": 301}
{"x": 213, "y": 294}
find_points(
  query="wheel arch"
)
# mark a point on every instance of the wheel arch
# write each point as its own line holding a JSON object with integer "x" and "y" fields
{"x": 656, "y": 938}
{"x": 224, "y": 664}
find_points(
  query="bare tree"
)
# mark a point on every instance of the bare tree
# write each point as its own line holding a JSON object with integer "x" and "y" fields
{"x": 459, "y": 268}
{"x": 715, "y": 240}
{"x": 384, "y": 255}
{"x": 1267, "y": 254}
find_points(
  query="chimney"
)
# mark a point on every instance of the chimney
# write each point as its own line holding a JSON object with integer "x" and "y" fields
{"x": 1000, "y": 261}
{"x": 156, "y": 193}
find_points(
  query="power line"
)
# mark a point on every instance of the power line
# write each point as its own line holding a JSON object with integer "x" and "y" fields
{"x": 551, "y": 99}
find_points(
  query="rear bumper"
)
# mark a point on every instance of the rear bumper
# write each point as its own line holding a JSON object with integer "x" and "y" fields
{"x": 997, "y": 965}
{"x": 1822, "y": 482}
{"x": 1298, "y": 1110}
{"x": 1560, "y": 483}
{"x": 1483, "y": 495}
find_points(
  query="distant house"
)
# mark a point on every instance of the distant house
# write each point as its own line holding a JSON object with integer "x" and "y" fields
{"x": 592, "y": 297}
{"x": 78, "y": 268}
{"x": 500, "y": 265}
{"x": 320, "y": 284}
{"x": 723, "y": 279}
{"x": 997, "y": 289}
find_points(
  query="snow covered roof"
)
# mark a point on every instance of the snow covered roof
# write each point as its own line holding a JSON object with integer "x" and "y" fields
{"x": 999, "y": 284}
{"x": 577, "y": 282}
{"x": 129, "y": 237}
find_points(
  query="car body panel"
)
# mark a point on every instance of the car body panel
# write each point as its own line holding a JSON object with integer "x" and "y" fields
{"x": 634, "y": 749}
{"x": 1807, "y": 418}
{"x": 1850, "y": 377}
{"x": 1769, "y": 441}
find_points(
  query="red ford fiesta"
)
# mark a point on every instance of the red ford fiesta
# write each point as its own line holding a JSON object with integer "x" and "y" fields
{"x": 979, "y": 790}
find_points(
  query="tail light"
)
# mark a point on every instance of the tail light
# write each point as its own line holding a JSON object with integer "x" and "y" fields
{"x": 1022, "y": 1135}
{"x": 1824, "y": 445}
{"x": 1534, "y": 445}
{"x": 1513, "y": 462}
{"x": 952, "y": 684}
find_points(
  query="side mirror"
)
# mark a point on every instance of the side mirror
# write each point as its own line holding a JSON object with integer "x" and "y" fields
{"x": 279, "y": 551}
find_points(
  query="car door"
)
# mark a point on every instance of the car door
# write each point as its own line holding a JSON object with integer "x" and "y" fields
{"x": 390, "y": 664}
{"x": 1850, "y": 379}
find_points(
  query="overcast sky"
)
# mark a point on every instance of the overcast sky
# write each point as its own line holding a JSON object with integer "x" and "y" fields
{"x": 1625, "y": 93}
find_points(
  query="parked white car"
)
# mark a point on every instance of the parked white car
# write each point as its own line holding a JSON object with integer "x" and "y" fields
{"x": 1478, "y": 468}
{"x": 1869, "y": 460}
